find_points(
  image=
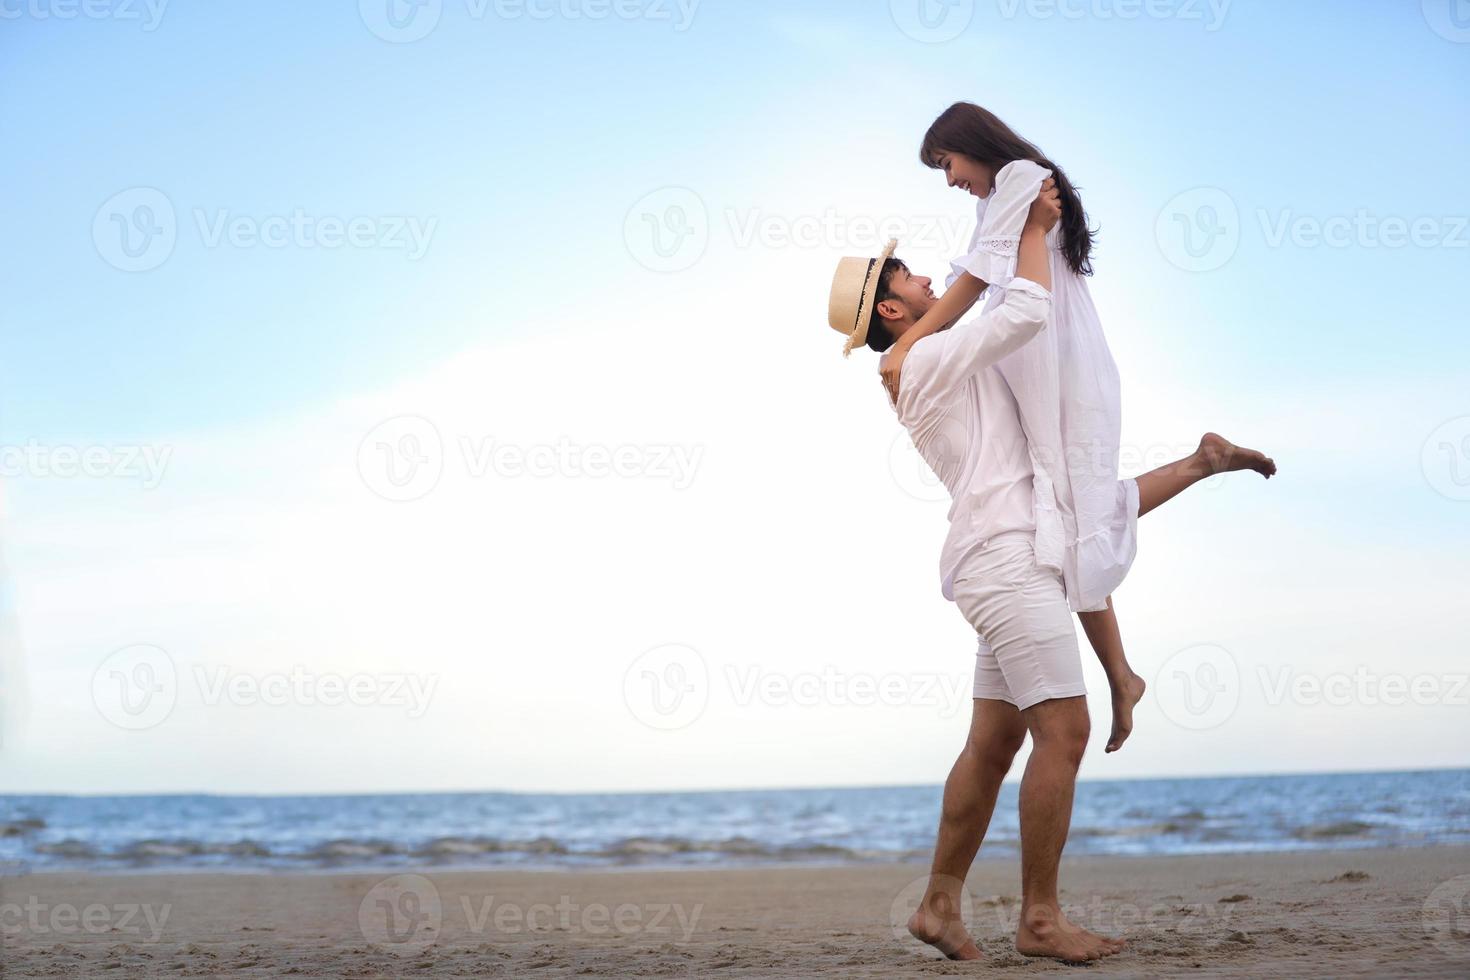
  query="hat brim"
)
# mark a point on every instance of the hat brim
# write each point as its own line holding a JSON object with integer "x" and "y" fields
{"x": 866, "y": 302}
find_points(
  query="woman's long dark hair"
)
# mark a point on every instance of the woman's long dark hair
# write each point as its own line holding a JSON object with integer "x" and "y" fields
{"x": 978, "y": 133}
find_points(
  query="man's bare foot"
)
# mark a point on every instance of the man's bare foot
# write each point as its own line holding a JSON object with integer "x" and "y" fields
{"x": 1049, "y": 933}
{"x": 1125, "y": 697}
{"x": 945, "y": 933}
{"x": 1220, "y": 455}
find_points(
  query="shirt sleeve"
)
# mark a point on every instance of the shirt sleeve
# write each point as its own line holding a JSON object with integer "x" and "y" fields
{"x": 943, "y": 361}
{"x": 992, "y": 254}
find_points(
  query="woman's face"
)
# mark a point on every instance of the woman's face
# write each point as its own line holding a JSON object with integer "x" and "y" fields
{"x": 967, "y": 173}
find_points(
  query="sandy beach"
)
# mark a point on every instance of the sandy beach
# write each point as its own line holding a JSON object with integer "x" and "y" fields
{"x": 1344, "y": 913}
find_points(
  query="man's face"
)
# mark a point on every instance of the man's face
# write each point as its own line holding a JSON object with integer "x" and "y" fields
{"x": 913, "y": 292}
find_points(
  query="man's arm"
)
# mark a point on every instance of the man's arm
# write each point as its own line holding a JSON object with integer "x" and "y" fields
{"x": 1032, "y": 263}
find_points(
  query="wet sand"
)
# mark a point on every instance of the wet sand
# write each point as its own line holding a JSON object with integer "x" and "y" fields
{"x": 1345, "y": 913}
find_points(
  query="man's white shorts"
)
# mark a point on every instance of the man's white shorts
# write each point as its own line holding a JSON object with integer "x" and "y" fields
{"x": 1028, "y": 645}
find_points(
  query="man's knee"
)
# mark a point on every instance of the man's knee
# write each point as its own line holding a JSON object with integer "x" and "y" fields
{"x": 997, "y": 750}
{"x": 1061, "y": 728}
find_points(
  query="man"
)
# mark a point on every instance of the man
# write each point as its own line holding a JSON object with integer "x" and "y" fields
{"x": 964, "y": 422}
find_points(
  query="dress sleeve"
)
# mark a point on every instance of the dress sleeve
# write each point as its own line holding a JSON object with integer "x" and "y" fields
{"x": 992, "y": 254}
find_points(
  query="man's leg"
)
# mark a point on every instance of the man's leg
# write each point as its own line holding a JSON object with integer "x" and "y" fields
{"x": 996, "y": 734}
{"x": 1059, "y": 730}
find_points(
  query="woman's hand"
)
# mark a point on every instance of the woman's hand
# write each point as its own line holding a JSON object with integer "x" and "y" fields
{"x": 1046, "y": 210}
{"x": 890, "y": 365}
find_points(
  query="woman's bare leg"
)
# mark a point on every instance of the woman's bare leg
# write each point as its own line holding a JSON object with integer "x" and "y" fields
{"x": 1127, "y": 687}
{"x": 1214, "y": 455}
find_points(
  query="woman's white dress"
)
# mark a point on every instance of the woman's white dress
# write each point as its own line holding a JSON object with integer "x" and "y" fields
{"x": 1068, "y": 392}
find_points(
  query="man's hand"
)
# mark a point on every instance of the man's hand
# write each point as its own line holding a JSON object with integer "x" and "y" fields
{"x": 1046, "y": 210}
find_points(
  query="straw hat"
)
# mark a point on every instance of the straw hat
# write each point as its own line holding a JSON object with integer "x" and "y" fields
{"x": 854, "y": 287}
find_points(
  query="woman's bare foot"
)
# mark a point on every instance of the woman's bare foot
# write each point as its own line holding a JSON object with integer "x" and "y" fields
{"x": 945, "y": 933}
{"x": 1220, "y": 455}
{"x": 1125, "y": 697}
{"x": 1046, "y": 932}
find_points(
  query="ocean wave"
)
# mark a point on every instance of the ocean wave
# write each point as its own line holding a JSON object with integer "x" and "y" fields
{"x": 1341, "y": 828}
{"x": 18, "y": 828}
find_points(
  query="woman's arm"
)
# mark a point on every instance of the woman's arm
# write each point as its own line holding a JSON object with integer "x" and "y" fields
{"x": 1032, "y": 262}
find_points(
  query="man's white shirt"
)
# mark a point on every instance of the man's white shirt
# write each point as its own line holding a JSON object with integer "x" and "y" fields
{"x": 964, "y": 422}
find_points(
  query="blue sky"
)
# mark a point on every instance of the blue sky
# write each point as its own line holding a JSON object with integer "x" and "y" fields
{"x": 524, "y": 141}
